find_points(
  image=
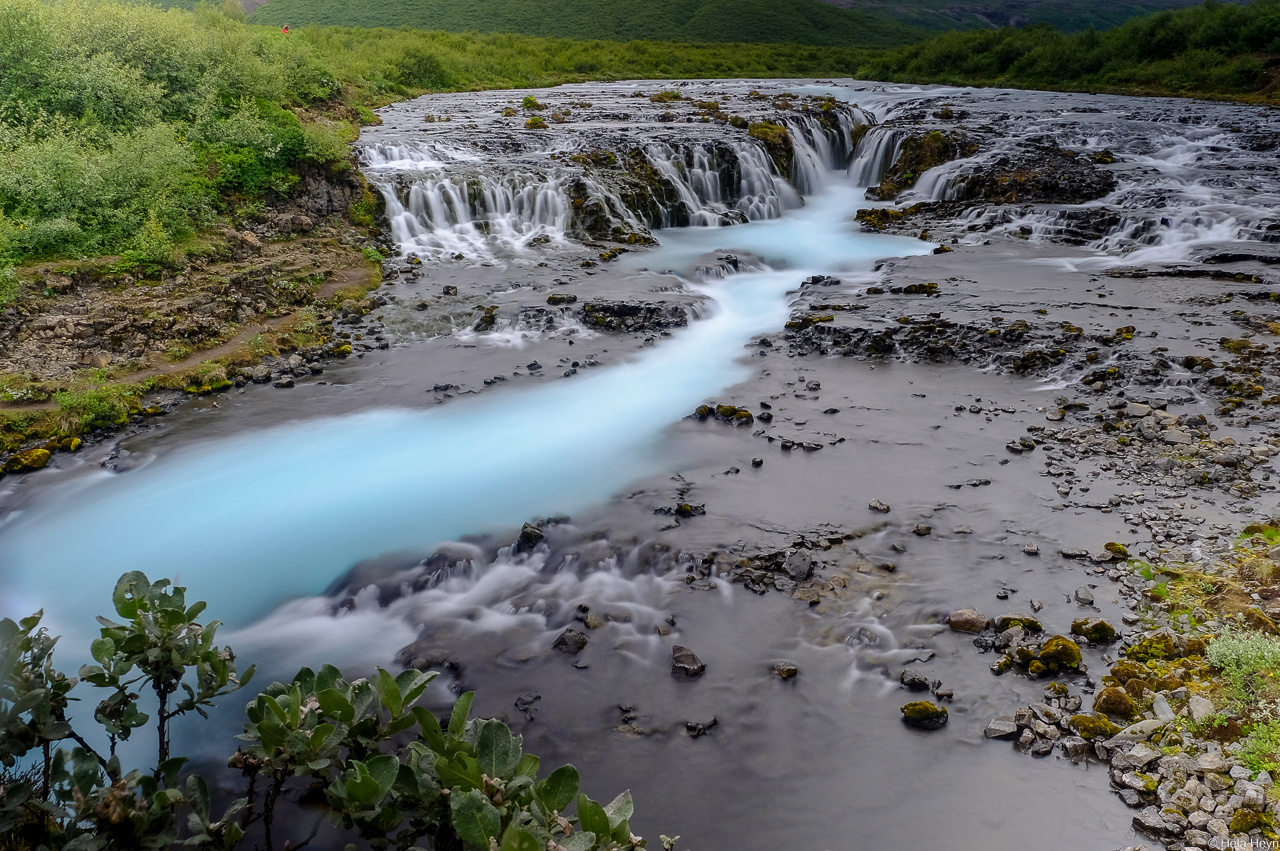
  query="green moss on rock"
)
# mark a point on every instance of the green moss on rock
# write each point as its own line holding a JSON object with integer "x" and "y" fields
{"x": 1093, "y": 726}
{"x": 1060, "y": 653}
{"x": 1115, "y": 702}
{"x": 1094, "y": 630}
{"x": 924, "y": 715}
{"x": 1158, "y": 646}
{"x": 24, "y": 462}
{"x": 1022, "y": 619}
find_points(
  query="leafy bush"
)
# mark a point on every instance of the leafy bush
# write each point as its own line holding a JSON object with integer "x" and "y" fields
{"x": 1249, "y": 662}
{"x": 382, "y": 766}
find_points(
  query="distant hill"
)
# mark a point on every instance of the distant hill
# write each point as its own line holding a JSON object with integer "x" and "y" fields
{"x": 1067, "y": 15}
{"x": 758, "y": 21}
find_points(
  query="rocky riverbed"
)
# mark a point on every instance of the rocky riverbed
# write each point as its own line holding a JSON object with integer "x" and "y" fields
{"x": 961, "y": 382}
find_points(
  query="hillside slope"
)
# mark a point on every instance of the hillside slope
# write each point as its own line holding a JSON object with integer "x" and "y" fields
{"x": 744, "y": 21}
{"x": 1067, "y": 15}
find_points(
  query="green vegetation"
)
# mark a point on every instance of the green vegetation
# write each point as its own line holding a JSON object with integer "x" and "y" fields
{"x": 1213, "y": 49}
{"x": 1066, "y": 15}
{"x": 1249, "y": 663}
{"x": 369, "y": 759}
{"x": 745, "y": 21}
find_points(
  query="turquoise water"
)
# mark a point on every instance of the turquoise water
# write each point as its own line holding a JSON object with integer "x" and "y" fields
{"x": 277, "y": 513}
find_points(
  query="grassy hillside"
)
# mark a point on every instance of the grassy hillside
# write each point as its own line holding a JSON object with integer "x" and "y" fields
{"x": 1213, "y": 49}
{"x": 127, "y": 128}
{"x": 757, "y": 21}
{"x": 1067, "y": 15}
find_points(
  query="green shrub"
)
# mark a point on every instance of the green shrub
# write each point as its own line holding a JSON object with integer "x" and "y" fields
{"x": 9, "y": 285}
{"x": 386, "y": 769}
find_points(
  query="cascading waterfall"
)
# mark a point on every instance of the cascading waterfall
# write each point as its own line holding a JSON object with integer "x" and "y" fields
{"x": 442, "y": 202}
{"x": 375, "y": 479}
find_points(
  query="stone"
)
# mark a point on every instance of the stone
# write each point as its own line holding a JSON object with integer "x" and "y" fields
{"x": 1084, "y": 596}
{"x": 1076, "y": 748}
{"x": 1001, "y": 727}
{"x": 1115, "y": 701}
{"x": 914, "y": 681}
{"x": 877, "y": 505}
{"x": 284, "y": 381}
{"x": 1042, "y": 748}
{"x": 1031, "y": 549}
{"x": 593, "y": 621}
{"x": 530, "y": 537}
{"x": 570, "y": 642}
{"x": 968, "y": 620}
{"x": 1094, "y": 630}
{"x": 1160, "y": 706}
{"x": 924, "y": 715}
{"x": 1210, "y": 762}
{"x": 1141, "y": 754}
{"x": 1149, "y": 821}
{"x": 1059, "y": 653}
{"x": 685, "y": 661}
{"x": 1028, "y": 622}
{"x": 798, "y": 566}
{"x": 922, "y": 529}
{"x": 450, "y": 289}
{"x": 785, "y": 670}
{"x": 1073, "y": 552}
{"x": 1175, "y": 437}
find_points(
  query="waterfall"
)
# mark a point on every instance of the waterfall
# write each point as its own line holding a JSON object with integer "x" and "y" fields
{"x": 445, "y": 202}
{"x": 876, "y": 152}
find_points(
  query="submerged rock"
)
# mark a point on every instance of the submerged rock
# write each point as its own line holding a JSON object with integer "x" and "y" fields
{"x": 570, "y": 641}
{"x": 685, "y": 661}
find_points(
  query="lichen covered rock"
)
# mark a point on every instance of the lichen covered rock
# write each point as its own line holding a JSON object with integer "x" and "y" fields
{"x": 1093, "y": 726}
{"x": 924, "y": 715}
{"x": 1094, "y": 630}
{"x": 25, "y": 462}
{"x": 1116, "y": 702}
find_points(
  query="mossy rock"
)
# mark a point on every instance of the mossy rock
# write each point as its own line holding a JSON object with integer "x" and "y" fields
{"x": 1125, "y": 670}
{"x": 1060, "y": 653}
{"x": 1002, "y": 665}
{"x": 70, "y": 444}
{"x": 1194, "y": 647}
{"x": 1246, "y": 820}
{"x": 1137, "y": 687}
{"x": 342, "y": 351}
{"x": 1115, "y": 702}
{"x": 25, "y": 462}
{"x": 924, "y": 715}
{"x": 1094, "y": 630}
{"x": 1158, "y": 646}
{"x": 1116, "y": 549}
{"x": 1093, "y": 726}
{"x": 1022, "y": 619}
{"x": 1056, "y": 690}
{"x": 1024, "y": 655}
{"x": 1038, "y": 669}
{"x": 1167, "y": 683}
{"x": 1255, "y": 619}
